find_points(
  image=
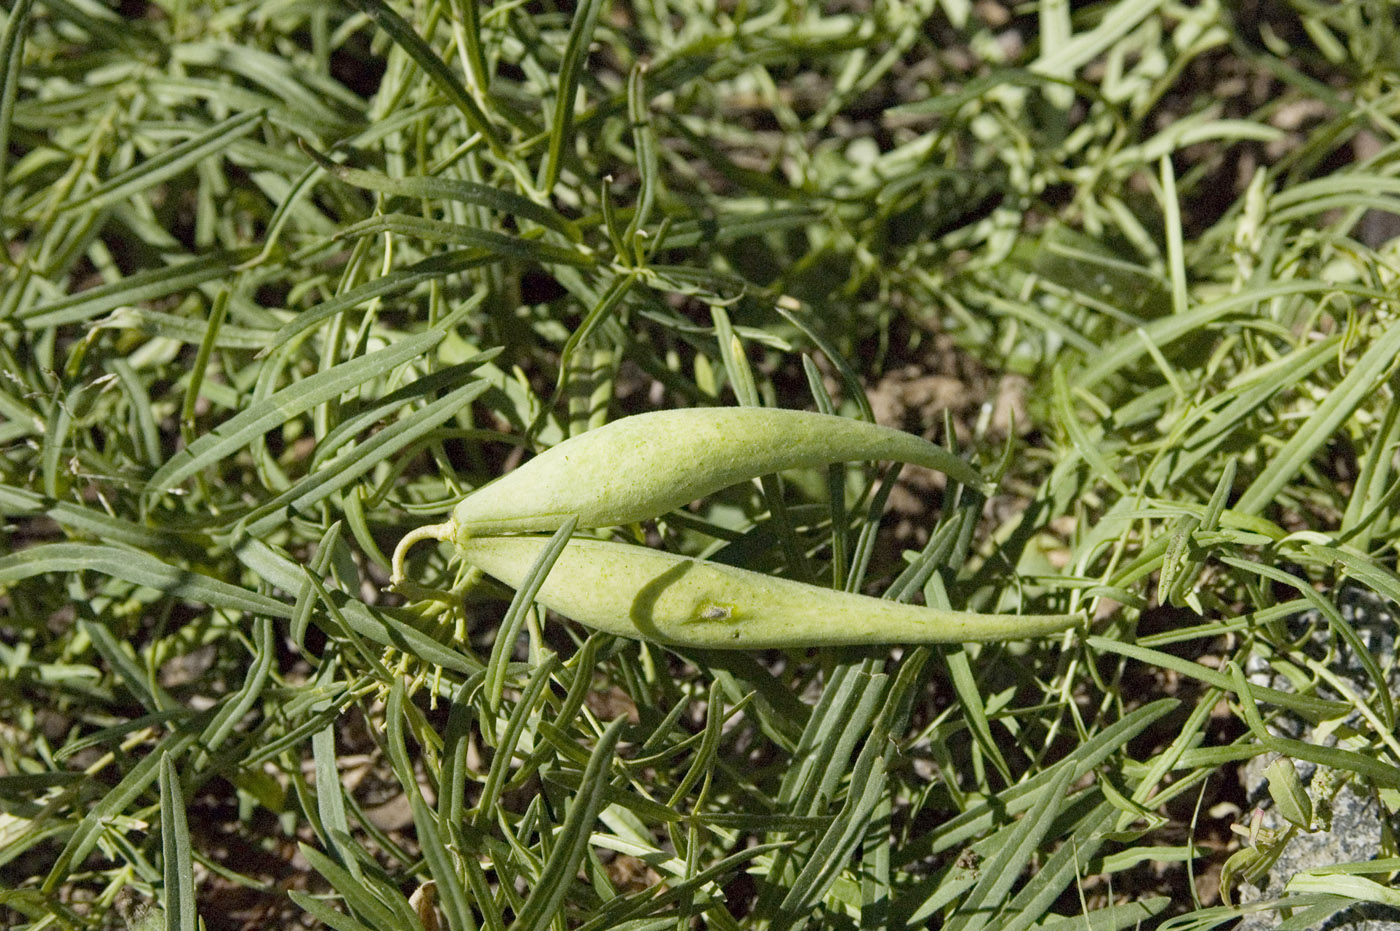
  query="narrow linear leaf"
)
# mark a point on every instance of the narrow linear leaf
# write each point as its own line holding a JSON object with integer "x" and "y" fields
{"x": 139, "y": 402}
{"x": 526, "y": 707}
{"x": 1067, "y": 56}
{"x": 325, "y": 914}
{"x": 570, "y": 70}
{"x": 355, "y": 422}
{"x": 546, "y": 898}
{"x": 1003, "y": 870}
{"x": 98, "y": 817}
{"x": 498, "y": 245}
{"x": 1380, "y": 773}
{"x": 470, "y": 18}
{"x": 1316, "y": 709}
{"x": 627, "y": 908}
{"x": 974, "y": 711}
{"x": 184, "y": 329}
{"x": 1176, "y": 260}
{"x": 1336, "y": 621}
{"x": 455, "y": 189}
{"x": 341, "y": 472}
{"x": 1060, "y": 869}
{"x": 834, "y": 849}
{"x": 1162, "y": 332}
{"x": 611, "y": 298}
{"x": 357, "y": 890}
{"x": 456, "y": 741}
{"x": 451, "y": 894}
{"x": 252, "y": 422}
{"x": 20, "y": 502}
{"x": 180, "y": 914}
{"x": 1382, "y": 580}
{"x": 154, "y": 170}
{"x": 121, "y": 660}
{"x": 644, "y": 143}
{"x": 139, "y": 569}
{"x": 1354, "y": 887}
{"x": 854, "y": 384}
{"x": 1114, "y": 917}
{"x": 1019, "y": 797}
{"x": 330, "y": 798}
{"x": 376, "y": 624}
{"x": 975, "y": 89}
{"x": 422, "y": 54}
{"x": 1374, "y": 489}
{"x": 521, "y": 603}
{"x": 117, "y": 732}
{"x": 1087, "y": 447}
{"x": 11, "y": 58}
{"x": 208, "y": 340}
{"x": 436, "y": 268}
{"x": 1322, "y": 424}
{"x": 133, "y": 289}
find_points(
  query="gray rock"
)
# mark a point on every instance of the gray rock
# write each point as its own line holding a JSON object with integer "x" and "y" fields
{"x": 1356, "y": 820}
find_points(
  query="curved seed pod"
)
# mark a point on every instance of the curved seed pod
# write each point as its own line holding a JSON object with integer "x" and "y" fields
{"x": 638, "y": 592}
{"x": 640, "y": 467}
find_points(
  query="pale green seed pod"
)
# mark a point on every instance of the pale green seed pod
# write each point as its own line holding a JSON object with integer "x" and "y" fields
{"x": 641, "y": 467}
{"x": 643, "y": 593}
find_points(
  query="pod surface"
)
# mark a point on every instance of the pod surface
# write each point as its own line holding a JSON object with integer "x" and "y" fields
{"x": 638, "y": 592}
{"x": 640, "y": 467}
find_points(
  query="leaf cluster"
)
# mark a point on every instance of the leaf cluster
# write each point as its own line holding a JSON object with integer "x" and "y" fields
{"x": 282, "y": 281}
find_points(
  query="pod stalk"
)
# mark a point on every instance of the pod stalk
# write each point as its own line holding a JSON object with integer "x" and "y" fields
{"x": 441, "y": 532}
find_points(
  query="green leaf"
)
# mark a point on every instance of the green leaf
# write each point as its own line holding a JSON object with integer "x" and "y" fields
{"x": 377, "y": 624}
{"x": 527, "y": 707}
{"x": 1355, "y": 888}
{"x": 327, "y": 915}
{"x": 1377, "y": 771}
{"x": 1359, "y": 385}
{"x": 139, "y": 569}
{"x": 1089, "y": 754}
{"x": 171, "y": 162}
{"x": 22, "y": 502}
{"x": 521, "y": 603}
{"x": 359, "y": 891}
{"x": 585, "y": 18}
{"x": 292, "y": 401}
{"x": 441, "y": 864}
{"x": 11, "y": 58}
{"x": 456, "y": 189}
{"x": 1111, "y": 918}
{"x": 497, "y": 246}
{"x": 238, "y": 704}
{"x": 1316, "y": 709}
{"x": 1286, "y": 789}
{"x": 340, "y": 472}
{"x": 546, "y": 899}
{"x": 974, "y": 711}
{"x": 1000, "y": 873}
{"x": 98, "y": 817}
{"x": 132, "y": 289}
{"x": 436, "y": 268}
{"x": 178, "y": 897}
{"x": 645, "y": 145}
{"x": 433, "y": 66}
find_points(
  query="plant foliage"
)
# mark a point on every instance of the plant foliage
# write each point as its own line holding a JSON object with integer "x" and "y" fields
{"x": 282, "y": 281}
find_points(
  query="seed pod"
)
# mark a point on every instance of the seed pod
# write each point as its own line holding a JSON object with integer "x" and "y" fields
{"x": 641, "y": 467}
{"x": 638, "y": 592}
